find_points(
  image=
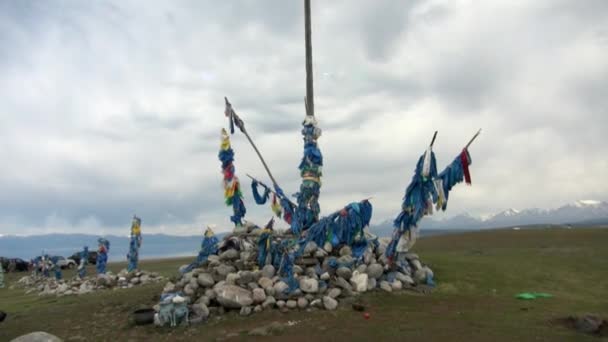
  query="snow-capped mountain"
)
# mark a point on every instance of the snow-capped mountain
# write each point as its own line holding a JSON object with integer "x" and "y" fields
{"x": 590, "y": 211}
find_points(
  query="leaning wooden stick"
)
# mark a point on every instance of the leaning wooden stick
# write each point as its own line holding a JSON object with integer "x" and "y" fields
{"x": 241, "y": 125}
{"x": 473, "y": 139}
{"x": 434, "y": 137}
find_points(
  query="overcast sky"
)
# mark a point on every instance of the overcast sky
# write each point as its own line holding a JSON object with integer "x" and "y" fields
{"x": 110, "y": 108}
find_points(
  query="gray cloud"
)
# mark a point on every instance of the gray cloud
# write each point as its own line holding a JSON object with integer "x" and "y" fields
{"x": 113, "y": 108}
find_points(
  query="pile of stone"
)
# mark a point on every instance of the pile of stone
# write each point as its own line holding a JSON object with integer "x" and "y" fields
{"x": 49, "y": 286}
{"x": 232, "y": 279}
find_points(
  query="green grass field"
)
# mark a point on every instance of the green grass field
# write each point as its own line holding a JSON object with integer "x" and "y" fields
{"x": 478, "y": 274}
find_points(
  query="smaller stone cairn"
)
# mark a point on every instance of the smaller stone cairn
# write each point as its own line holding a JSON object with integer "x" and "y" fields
{"x": 232, "y": 279}
{"x": 66, "y": 287}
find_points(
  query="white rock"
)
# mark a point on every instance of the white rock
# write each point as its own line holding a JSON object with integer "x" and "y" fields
{"x": 325, "y": 276}
{"x": 291, "y": 304}
{"x": 193, "y": 283}
{"x": 334, "y": 293}
{"x": 134, "y": 281}
{"x": 405, "y": 279}
{"x": 359, "y": 282}
{"x": 310, "y": 248}
{"x": 327, "y": 247}
{"x": 302, "y": 303}
{"x": 233, "y": 297}
{"x": 396, "y": 285}
{"x": 384, "y": 285}
{"x": 416, "y": 264}
{"x": 320, "y": 253}
{"x": 269, "y": 302}
{"x": 145, "y": 279}
{"x": 280, "y": 304}
{"x": 371, "y": 283}
{"x": 297, "y": 269}
{"x": 309, "y": 285}
{"x": 259, "y": 296}
{"x": 330, "y": 303}
{"x": 232, "y": 278}
{"x": 265, "y": 282}
{"x": 279, "y": 289}
{"x": 38, "y": 336}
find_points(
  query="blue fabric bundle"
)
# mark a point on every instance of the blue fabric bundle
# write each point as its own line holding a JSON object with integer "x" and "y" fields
{"x": 452, "y": 175}
{"x": 288, "y": 210}
{"x": 208, "y": 247}
{"x": 287, "y": 272}
{"x": 264, "y": 244}
{"x": 238, "y": 207}
{"x": 259, "y": 199}
{"x": 415, "y": 202}
{"x": 341, "y": 227}
{"x": 308, "y": 209}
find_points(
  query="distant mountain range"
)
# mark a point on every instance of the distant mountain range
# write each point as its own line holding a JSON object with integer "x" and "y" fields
{"x": 583, "y": 212}
{"x": 580, "y": 213}
{"x": 153, "y": 245}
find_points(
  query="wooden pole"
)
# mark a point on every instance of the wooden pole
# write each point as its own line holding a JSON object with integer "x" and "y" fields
{"x": 473, "y": 139}
{"x": 310, "y": 110}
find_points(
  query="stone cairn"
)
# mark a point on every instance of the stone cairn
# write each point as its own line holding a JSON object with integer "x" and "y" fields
{"x": 47, "y": 286}
{"x": 232, "y": 279}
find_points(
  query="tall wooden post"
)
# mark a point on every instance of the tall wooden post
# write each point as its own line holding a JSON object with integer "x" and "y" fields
{"x": 310, "y": 103}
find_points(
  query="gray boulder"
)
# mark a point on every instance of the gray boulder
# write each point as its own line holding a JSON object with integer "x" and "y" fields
{"x": 232, "y": 278}
{"x": 259, "y": 296}
{"x": 386, "y": 286}
{"x": 343, "y": 284}
{"x": 269, "y": 302}
{"x": 268, "y": 271}
{"x": 223, "y": 270}
{"x": 201, "y": 310}
{"x": 246, "y": 311}
{"x": 231, "y": 254}
{"x": 330, "y": 303}
{"x": 346, "y": 250}
{"x": 344, "y": 272}
{"x": 405, "y": 279}
{"x": 375, "y": 271}
{"x": 205, "y": 280}
{"x": 245, "y": 277}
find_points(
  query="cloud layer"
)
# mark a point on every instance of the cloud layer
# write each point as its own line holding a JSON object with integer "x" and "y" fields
{"x": 115, "y": 108}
